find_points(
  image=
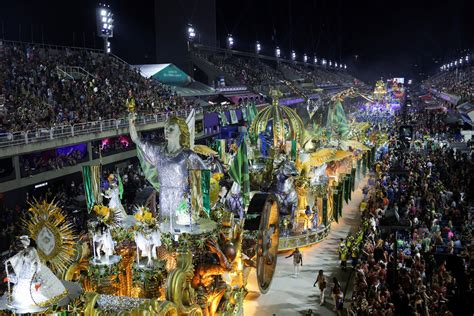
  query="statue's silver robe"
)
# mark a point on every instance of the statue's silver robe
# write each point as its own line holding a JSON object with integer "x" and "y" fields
{"x": 170, "y": 171}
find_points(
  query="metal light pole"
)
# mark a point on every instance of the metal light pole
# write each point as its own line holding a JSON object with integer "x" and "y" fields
{"x": 105, "y": 25}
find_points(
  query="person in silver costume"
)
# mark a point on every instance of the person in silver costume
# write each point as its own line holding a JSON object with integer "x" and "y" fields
{"x": 172, "y": 161}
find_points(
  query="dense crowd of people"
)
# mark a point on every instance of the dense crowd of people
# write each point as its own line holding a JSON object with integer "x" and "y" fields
{"x": 458, "y": 82}
{"x": 41, "y": 89}
{"x": 37, "y": 163}
{"x": 423, "y": 265}
{"x": 257, "y": 74}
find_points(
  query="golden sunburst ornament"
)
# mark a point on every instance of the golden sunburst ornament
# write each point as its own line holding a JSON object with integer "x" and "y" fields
{"x": 48, "y": 226}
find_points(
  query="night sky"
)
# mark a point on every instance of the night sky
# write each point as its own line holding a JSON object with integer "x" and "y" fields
{"x": 374, "y": 38}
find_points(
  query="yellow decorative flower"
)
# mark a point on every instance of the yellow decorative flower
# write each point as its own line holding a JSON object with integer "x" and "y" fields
{"x": 147, "y": 217}
{"x": 102, "y": 211}
{"x": 217, "y": 176}
{"x": 139, "y": 216}
{"x": 144, "y": 216}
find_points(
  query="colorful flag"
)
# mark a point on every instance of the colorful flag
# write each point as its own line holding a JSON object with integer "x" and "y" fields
{"x": 91, "y": 179}
{"x": 120, "y": 185}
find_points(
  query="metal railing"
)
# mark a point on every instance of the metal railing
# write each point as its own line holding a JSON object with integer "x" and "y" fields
{"x": 63, "y": 131}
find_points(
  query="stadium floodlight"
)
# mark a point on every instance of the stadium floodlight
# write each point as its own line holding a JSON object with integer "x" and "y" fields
{"x": 230, "y": 41}
{"x": 305, "y": 58}
{"x": 258, "y": 47}
{"x": 293, "y": 55}
{"x": 277, "y": 52}
{"x": 191, "y": 33}
{"x": 105, "y": 25}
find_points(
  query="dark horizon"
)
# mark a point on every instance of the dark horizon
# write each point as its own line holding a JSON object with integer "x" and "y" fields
{"x": 375, "y": 39}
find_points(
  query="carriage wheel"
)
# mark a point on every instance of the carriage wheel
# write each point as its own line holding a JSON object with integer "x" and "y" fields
{"x": 267, "y": 237}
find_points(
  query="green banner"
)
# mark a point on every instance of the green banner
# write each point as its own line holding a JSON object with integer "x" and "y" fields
{"x": 359, "y": 166}
{"x": 325, "y": 211}
{"x": 349, "y": 185}
{"x": 373, "y": 152}
{"x": 335, "y": 205}
{"x": 364, "y": 164}
{"x": 239, "y": 171}
{"x": 293, "y": 150}
{"x": 369, "y": 164}
{"x": 206, "y": 184}
{"x": 341, "y": 198}
{"x": 353, "y": 177}
{"x": 88, "y": 192}
{"x": 244, "y": 114}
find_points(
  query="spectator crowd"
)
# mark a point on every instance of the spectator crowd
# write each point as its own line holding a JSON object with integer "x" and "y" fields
{"x": 43, "y": 87}
{"x": 416, "y": 254}
{"x": 458, "y": 82}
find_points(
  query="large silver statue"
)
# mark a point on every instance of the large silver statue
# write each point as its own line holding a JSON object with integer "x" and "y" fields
{"x": 168, "y": 169}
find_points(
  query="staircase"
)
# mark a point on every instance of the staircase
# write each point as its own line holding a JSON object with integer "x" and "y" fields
{"x": 212, "y": 71}
{"x": 73, "y": 73}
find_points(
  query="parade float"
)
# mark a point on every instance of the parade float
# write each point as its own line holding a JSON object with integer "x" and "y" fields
{"x": 308, "y": 170}
{"x": 380, "y": 91}
{"x": 191, "y": 257}
{"x": 192, "y": 253}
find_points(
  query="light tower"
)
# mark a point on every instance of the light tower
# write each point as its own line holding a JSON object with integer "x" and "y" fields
{"x": 230, "y": 41}
{"x": 258, "y": 47}
{"x": 277, "y": 52}
{"x": 105, "y": 25}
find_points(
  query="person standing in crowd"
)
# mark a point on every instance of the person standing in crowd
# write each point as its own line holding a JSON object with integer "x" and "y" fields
{"x": 342, "y": 249}
{"x": 321, "y": 281}
{"x": 297, "y": 261}
{"x": 337, "y": 296}
{"x": 355, "y": 254}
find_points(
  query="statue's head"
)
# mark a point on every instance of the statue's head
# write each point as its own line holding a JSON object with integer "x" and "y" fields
{"x": 176, "y": 128}
{"x": 25, "y": 241}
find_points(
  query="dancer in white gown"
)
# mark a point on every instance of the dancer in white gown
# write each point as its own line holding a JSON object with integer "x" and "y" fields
{"x": 113, "y": 194}
{"x": 35, "y": 285}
